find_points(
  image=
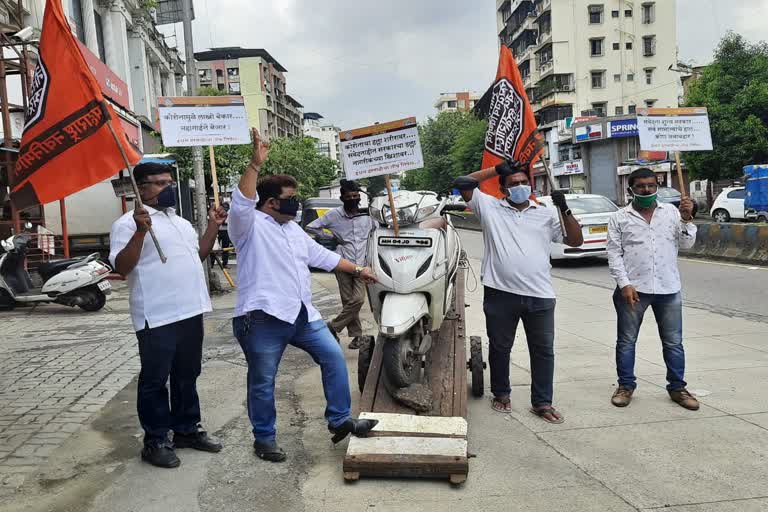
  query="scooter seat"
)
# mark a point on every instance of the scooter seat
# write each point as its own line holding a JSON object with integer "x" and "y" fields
{"x": 439, "y": 223}
{"x": 51, "y": 268}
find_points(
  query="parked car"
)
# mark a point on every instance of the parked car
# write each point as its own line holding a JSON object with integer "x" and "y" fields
{"x": 672, "y": 196}
{"x": 729, "y": 205}
{"x": 592, "y": 211}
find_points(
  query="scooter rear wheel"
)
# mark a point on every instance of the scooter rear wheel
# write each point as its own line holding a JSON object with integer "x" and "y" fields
{"x": 401, "y": 364}
{"x": 94, "y": 299}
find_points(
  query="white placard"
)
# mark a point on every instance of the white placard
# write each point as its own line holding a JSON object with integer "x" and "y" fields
{"x": 674, "y": 129}
{"x": 184, "y": 125}
{"x": 389, "y": 148}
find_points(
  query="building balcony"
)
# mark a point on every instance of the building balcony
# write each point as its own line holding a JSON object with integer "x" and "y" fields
{"x": 546, "y": 68}
{"x": 544, "y": 39}
{"x": 557, "y": 98}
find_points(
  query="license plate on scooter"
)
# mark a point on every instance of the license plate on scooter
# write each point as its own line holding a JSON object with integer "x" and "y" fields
{"x": 104, "y": 285}
{"x": 402, "y": 241}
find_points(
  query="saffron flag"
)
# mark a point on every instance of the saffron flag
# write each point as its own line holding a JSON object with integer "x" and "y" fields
{"x": 512, "y": 133}
{"x": 66, "y": 145}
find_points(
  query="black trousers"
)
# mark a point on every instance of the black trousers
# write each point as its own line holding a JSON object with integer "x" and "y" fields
{"x": 174, "y": 350}
{"x": 503, "y": 311}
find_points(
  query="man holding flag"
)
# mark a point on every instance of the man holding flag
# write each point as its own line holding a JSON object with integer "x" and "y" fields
{"x": 517, "y": 235}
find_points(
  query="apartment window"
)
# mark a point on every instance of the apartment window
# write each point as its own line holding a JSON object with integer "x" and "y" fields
{"x": 204, "y": 75}
{"x": 649, "y": 13}
{"x": 76, "y": 11}
{"x": 452, "y": 104}
{"x": 630, "y": 77}
{"x": 649, "y": 76}
{"x": 233, "y": 72}
{"x": 632, "y": 109}
{"x": 600, "y": 109}
{"x": 462, "y": 104}
{"x": 628, "y": 13}
{"x": 617, "y": 46}
{"x": 595, "y": 14}
{"x": 615, "y": 14}
{"x": 596, "y": 47}
{"x": 220, "y": 87}
{"x": 617, "y": 77}
{"x": 598, "y": 79}
{"x": 576, "y": 152}
{"x": 649, "y": 46}
{"x": 650, "y": 103}
{"x": 564, "y": 153}
{"x": 628, "y": 45}
{"x": 100, "y": 36}
{"x": 234, "y": 87}
{"x": 219, "y": 73}
{"x": 619, "y": 111}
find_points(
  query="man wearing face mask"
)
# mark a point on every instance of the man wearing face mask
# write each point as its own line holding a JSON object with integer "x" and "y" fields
{"x": 643, "y": 241}
{"x": 167, "y": 302}
{"x": 517, "y": 236}
{"x": 350, "y": 227}
{"x": 274, "y": 302}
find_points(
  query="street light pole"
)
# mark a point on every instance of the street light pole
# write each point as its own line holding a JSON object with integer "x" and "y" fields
{"x": 197, "y": 151}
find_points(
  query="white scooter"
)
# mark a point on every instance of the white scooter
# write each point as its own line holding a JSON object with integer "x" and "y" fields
{"x": 71, "y": 282}
{"x": 417, "y": 273}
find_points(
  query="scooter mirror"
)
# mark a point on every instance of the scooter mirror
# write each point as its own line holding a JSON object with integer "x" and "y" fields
{"x": 27, "y": 225}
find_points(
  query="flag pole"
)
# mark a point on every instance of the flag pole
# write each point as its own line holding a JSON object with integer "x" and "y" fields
{"x": 552, "y": 187}
{"x": 214, "y": 179}
{"x": 133, "y": 184}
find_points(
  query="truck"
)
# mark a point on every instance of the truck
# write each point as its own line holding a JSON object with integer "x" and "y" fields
{"x": 756, "y": 200}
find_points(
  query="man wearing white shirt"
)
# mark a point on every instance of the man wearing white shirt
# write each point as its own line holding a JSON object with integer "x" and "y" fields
{"x": 274, "y": 302}
{"x": 351, "y": 228}
{"x": 167, "y": 302}
{"x": 643, "y": 241}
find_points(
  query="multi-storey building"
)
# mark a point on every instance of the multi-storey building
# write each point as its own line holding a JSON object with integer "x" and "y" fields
{"x": 260, "y": 79}
{"x": 456, "y": 101}
{"x": 592, "y": 57}
{"x": 326, "y": 135}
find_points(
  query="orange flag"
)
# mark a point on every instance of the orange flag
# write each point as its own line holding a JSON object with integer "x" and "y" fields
{"x": 512, "y": 130}
{"x": 66, "y": 145}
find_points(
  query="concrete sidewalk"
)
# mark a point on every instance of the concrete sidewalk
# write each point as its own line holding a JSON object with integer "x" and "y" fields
{"x": 651, "y": 455}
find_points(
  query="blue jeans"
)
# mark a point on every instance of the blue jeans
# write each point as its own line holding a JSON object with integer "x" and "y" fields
{"x": 263, "y": 339}
{"x": 668, "y": 310}
{"x": 503, "y": 311}
{"x": 174, "y": 350}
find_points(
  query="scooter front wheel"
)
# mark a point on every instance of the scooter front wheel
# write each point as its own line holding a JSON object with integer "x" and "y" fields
{"x": 401, "y": 364}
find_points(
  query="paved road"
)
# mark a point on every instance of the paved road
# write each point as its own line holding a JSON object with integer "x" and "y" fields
{"x": 731, "y": 289}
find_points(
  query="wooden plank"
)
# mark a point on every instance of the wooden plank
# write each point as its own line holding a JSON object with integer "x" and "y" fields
{"x": 413, "y": 466}
{"x": 438, "y": 379}
{"x": 410, "y": 424}
{"x": 371, "y": 381}
{"x": 432, "y": 446}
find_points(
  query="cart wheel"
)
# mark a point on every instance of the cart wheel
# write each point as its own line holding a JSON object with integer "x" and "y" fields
{"x": 364, "y": 356}
{"x": 476, "y": 365}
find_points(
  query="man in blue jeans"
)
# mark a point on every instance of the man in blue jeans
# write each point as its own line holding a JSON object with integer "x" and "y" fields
{"x": 643, "y": 241}
{"x": 517, "y": 237}
{"x": 274, "y": 303}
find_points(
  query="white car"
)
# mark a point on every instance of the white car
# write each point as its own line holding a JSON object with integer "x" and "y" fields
{"x": 592, "y": 211}
{"x": 729, "y": 205}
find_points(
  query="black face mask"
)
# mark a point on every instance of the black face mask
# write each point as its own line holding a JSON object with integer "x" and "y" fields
{"x": 351, "y": 204}
{"x": 167, "y": 197}
{"x": 289, "y": 206}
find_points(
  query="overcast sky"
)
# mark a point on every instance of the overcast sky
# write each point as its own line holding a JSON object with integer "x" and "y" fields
{"x": 361, "y": 61}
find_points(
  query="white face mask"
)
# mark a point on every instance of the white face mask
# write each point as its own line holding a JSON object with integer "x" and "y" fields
{"x": 519, "y": 194}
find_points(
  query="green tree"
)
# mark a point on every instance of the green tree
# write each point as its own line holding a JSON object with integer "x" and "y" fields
{"x": 452, "y": 144}
{"x": 298, "y": 157}
{"x": 735, "y": 91}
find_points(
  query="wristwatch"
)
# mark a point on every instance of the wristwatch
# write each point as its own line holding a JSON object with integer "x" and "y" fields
{"x": 567, "y": 212}
{"x": 358, "y": 270}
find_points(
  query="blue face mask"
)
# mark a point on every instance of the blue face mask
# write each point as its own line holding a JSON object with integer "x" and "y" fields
{"x": 167, "y": 198}
{"x": 519, "y": 194}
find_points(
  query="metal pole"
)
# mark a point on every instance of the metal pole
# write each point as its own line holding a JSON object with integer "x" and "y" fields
{"x": 197, "y": 151}
{"x": 64, "y": 226}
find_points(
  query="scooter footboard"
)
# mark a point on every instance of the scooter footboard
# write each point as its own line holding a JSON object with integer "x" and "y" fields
{"x": 400, "y": 312}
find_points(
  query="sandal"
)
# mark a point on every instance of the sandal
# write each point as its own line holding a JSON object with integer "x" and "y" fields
{"x": 269, "y": 451}
{"x": 548, "y": 414}
{"x": 501, "y": 404}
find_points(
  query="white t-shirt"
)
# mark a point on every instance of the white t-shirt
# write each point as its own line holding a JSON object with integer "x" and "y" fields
{"x": 163, "y": 293}
{"x": 517, "y": 245}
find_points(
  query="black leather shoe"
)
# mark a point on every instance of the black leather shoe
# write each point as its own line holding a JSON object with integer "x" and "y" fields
{"x": 356, "y": 427}
{"x": 160, "y": 455}
{"x": 269, "y": 451}
{"x": 355, "y": 343}
{"x": 333, "y": 332}
{"x": 198, "y": 441}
